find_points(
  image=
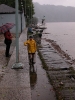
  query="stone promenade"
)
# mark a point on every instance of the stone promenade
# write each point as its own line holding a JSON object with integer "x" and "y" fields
{"x": 15, "y": 84}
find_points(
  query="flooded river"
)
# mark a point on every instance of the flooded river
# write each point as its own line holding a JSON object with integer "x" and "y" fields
{"x": 64, "y": 35}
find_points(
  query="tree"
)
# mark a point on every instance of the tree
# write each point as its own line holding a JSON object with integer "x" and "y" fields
{"x": 34, "y": 20}
{"x": 28, "y": 9}
{"x": 8, "y": 2}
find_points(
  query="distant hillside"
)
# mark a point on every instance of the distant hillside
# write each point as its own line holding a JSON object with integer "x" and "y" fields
{"x": 55, "y": 13}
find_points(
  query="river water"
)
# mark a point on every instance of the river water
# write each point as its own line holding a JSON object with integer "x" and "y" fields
{"x": 64, "y": 35}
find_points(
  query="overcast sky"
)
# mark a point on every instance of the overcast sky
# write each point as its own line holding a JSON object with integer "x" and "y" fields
{"x": 57, "y": 2}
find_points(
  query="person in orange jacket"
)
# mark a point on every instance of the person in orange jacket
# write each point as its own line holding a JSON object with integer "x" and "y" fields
{"x": 31, "y": 43}
{"x": 7, "y": 41}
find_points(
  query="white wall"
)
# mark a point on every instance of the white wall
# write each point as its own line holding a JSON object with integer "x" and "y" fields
{"x": 10, "y": 18}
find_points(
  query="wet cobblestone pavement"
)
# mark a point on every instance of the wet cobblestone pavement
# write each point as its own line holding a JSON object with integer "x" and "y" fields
{"x": 41, "y": 89}
{"x": 15, "y": 83}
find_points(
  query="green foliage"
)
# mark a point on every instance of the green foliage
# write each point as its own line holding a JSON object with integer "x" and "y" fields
{"x": 8, "y": 2}
{"x": 34, "y": 20}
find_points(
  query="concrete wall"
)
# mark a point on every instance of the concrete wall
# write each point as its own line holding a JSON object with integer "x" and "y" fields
{"x": 10, "y": 18}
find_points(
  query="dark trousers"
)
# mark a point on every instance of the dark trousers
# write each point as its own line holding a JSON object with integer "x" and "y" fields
{"x": 8, "y": 43}
{"x": 7, "y": 49}
{"x": 31, "y": 55}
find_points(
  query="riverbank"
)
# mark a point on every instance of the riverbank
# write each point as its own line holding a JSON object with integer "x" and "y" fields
{"x": 62, "y": 53}
{"x": 62, "y": 33}
{"x": 60, "y": 72}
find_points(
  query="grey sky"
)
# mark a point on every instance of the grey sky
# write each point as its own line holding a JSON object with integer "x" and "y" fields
{"x": 57, "y": 2}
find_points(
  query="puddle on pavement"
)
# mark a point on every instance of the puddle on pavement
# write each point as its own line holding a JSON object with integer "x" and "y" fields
{"x": 40, "y": 86}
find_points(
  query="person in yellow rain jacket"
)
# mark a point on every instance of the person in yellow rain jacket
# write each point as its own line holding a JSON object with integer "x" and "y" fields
{"x": 31, "y": 43}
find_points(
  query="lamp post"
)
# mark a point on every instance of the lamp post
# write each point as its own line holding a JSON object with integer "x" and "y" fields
{"x": 25, "y": 7}
{"x": 31, "y": 13}
{"x": 21, "y": 14}
{"x": 25, "y": 14}
{"x": 28, "y": 14}
{"x": 17, "y": 65}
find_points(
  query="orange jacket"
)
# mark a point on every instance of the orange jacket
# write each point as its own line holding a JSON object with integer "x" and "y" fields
{"x": 31, "y": 45}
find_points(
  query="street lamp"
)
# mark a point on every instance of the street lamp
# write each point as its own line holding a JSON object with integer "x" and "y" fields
{"x": 31, "y": 13}
{"x": 17, "y": 65}
{"x": 28, "y": 17}
{"x": 29, "y": 10}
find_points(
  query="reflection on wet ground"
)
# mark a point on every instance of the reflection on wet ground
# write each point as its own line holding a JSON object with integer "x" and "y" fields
{"x": 40, "y": 86}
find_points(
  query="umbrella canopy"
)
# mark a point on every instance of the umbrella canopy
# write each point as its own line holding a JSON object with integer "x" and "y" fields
{"x": 6, "y": 27}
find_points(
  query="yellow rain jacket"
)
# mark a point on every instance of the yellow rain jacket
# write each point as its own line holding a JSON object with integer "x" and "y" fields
{"x": 31, "y": 45}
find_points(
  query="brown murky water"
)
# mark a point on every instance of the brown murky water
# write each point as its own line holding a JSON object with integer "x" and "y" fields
{"x": 40, "y": 86}
{"x": 64, "y": 35}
